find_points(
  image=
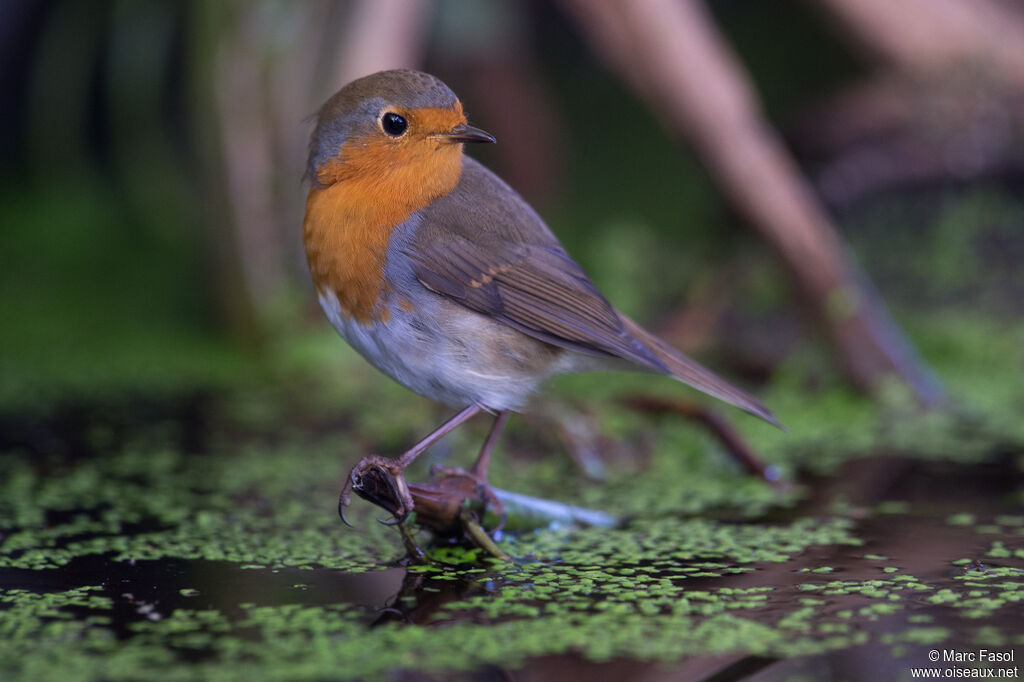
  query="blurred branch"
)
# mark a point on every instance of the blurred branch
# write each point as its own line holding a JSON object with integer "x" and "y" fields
{"x": 927, "y": 35}
{"x": 945, "y": 104}
{"x": 903, "y": 130}
{"x": 245, "y": 134}
{"x": 670, "y": 51}
{"x": 379, "y": 36}
{"x": 271, "y": 65}
{"x": 718, "y": 426}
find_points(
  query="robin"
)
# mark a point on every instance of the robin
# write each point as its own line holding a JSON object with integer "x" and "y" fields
{"x": 445, "y": 279}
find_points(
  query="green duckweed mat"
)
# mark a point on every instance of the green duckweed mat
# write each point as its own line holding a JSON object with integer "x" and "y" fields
{"x": 201, "y": 541}
{"x": 193, "y": 535}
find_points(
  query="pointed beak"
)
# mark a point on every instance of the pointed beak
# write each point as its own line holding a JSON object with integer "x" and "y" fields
{"x": 467, "y": 133}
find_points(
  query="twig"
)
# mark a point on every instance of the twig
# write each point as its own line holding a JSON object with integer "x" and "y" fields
{"x": 671, "y": 52}
{"x": 525, "y": 511}
{"x": 719, "y": 428}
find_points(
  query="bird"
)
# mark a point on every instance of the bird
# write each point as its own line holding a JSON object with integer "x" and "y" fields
{"x": 445, "y": 279}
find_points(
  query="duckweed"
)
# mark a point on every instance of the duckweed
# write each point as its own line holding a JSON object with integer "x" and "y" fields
{"x": 147, "y": 557}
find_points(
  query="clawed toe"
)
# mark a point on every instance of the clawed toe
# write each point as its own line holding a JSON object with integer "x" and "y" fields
{"x": 381, "y": 481}
{"x": 343, "y": 501}
{"x": 440, "y": 505}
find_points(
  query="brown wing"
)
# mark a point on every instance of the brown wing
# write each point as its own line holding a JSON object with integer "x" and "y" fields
{"x": 484, "y": 247}
{"x": 538, "y": 290}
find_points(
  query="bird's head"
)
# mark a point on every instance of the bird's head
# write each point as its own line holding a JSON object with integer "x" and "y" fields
{"x": 388, "y": 123}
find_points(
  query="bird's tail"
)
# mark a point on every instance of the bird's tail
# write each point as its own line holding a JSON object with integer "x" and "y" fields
{"x": 694, "y": 374}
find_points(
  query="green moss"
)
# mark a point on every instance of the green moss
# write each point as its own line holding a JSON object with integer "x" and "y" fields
{"x": 709, "y": 560}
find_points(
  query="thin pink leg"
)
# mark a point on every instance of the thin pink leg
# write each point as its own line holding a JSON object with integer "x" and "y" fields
{"x": 484, "y": 458}
{"x": 415, "y": 451}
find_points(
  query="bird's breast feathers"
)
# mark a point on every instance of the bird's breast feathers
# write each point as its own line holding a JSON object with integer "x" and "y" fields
{"x": 355, "y": 206}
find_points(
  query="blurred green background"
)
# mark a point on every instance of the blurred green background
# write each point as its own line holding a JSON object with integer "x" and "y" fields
{"x": 119, "y": 253}
{"x": 151, "y": 194}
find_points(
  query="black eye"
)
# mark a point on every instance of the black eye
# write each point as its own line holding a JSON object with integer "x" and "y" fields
{"x": 393, "y": 124}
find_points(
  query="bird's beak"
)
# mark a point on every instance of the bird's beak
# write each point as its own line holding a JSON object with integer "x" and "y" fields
{"x": 467, "y": 133}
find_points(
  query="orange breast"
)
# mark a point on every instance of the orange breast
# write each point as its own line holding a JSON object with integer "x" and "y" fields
{"x": 370, "y": 189}
{"x": 345, "y": 248}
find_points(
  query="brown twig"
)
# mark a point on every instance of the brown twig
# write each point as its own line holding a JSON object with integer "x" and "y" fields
{"x": 671, "y": 52}
{"x": 719, "y": 428}
{"x": 932, "y": 35}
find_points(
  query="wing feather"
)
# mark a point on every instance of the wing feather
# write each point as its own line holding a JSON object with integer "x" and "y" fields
{"x": 485, "y": 248}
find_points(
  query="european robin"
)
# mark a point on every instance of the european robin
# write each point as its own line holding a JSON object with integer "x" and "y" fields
{"x": 445, "y": 279}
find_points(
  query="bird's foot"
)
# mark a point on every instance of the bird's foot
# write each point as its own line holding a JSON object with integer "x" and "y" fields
{"x": 379, "y": 480}
{"x": 484, "y": 491}
{"x": 454, "y": 502}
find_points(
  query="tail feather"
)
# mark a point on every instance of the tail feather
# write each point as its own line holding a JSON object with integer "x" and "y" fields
{"x": 694, "y": 374}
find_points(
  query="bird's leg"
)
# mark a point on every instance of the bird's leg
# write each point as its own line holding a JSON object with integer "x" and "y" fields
{"x": 483, "y": 460}
{"x": 478, "y": 472}
{"x": 395, "y": 497}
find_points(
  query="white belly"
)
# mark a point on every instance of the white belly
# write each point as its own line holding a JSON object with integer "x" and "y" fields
{"x": 457, "y": 359}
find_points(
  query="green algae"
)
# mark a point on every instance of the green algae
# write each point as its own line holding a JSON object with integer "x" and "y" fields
{"x": 151, "y": 505}
{"x": 535, "y": 610}
{"x": 708, "y": 561}
{"x": 660, "y": 589}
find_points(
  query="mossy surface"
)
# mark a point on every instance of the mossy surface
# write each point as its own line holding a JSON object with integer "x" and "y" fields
{"x": 218, "y": 555}
{"x": 194, "y": 535}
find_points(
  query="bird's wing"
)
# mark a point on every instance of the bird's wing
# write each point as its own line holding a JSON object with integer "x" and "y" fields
{"x": 485, "y": 248}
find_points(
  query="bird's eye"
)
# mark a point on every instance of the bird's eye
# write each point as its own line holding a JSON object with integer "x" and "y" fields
{"x": 393, "y": 124}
